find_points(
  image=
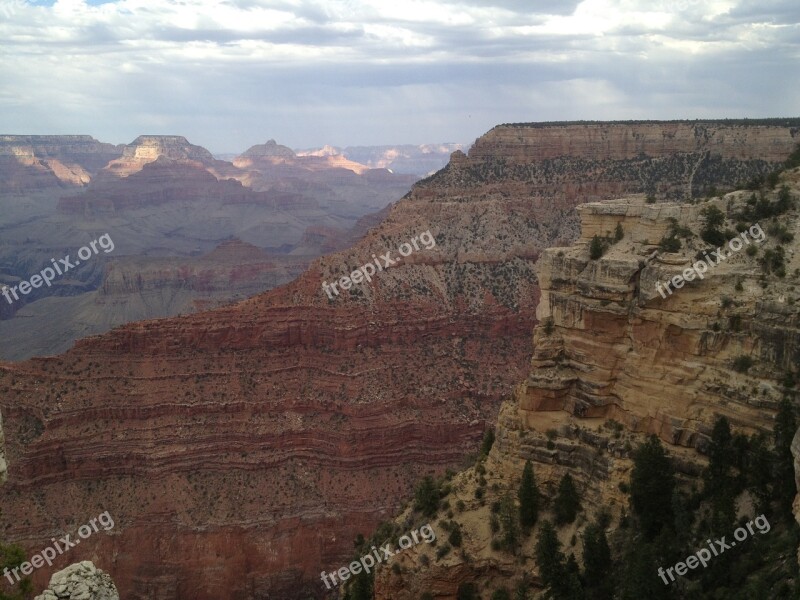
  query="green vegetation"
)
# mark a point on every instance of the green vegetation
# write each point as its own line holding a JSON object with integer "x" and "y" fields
{"x": 568, "y": 502}
{"x": 467, "y": 591}
{"x": 597, "y": 247}
{"x": 11, "y": 557}
{"x": 671, "y": 242}
{"x": 652, "y": 484}
{"x": 488, "y": 442}
{"x": 528, "y": 496}
{"x": 713, "y": 218}
{"x": 741, "y": 364}
{"x": 426, "y": 497}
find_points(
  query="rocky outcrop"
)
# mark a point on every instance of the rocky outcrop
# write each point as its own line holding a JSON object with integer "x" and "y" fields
{"x": 614, "y": 361}
{"x": 271, "y": 148}
{"x": 81, "y": 581}
{"x": 405, "y": 158}
{"x": 245, "y": 447}
{"x": 40, "y": 163}
{"x": 148, "y": 148}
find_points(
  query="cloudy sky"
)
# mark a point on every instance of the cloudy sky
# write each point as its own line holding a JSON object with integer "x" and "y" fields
{"x": 231, "y": 73}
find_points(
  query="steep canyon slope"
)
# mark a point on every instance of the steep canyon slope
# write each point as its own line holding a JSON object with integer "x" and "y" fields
{"x": 240, "y": 450}
{"x": 614, "y": 361}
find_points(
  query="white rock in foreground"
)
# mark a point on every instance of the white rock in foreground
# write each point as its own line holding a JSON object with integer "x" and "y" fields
{"x": 81, "y": 581}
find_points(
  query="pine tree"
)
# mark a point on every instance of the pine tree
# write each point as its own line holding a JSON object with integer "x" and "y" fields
{"x": 758, "y": 470}
{"x": 528, "y": 498}
{"x": 568, "y": 502}
{"x": 508, "y": 519}
{"x": 427, "y": 497}
{"x": 597, "y": 247}
{"x": 652, "y": 484}
{"x": 488, "y": 442}
{"x": 640, "y": 579}
{"x": 785, "y": 428}
{"x": 361, "y": 588}
{"x": 718, "y": 477}
{"x": 598, "y": 566}
{"x": 549, "y": 557}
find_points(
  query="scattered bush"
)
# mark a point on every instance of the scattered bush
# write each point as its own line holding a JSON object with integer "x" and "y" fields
{"x": 741, "y": 364}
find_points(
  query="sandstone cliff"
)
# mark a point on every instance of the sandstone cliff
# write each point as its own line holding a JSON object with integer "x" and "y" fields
{"x": 35, "y": 163}
{"x": 614, "y": 361}
{"x": 243, "y": 448}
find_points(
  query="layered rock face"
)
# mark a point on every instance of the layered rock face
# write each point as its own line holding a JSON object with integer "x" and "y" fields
{"x": 139, "y": 288}
{"x": 241, "y": 450}
{"x": 614, "y": 361}
{"x": 36, "y": 163}
{"x": 149, "y": 148}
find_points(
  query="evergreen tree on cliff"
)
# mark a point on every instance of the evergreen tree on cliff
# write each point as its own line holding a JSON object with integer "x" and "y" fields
{"x": 652, "y": 484}
{"x": 528, "y": 498}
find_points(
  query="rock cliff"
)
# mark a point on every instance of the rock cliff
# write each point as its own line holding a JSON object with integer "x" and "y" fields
{"x": 614, "y": 361}
{"x": 243, "y": 448}
{"x": 35, "y": 163}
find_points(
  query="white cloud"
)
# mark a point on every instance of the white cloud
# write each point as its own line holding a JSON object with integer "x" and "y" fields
{"x": 232, "y": 73}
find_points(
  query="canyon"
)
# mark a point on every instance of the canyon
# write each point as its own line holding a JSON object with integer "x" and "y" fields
{"x": 613, "y": 362}
{"x": 242, "y": 449}
{"x": 165, "y": 200}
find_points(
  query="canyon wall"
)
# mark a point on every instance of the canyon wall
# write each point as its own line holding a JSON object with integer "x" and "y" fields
{"x": 241, "y": 450}
{"x": 614, "y": 361}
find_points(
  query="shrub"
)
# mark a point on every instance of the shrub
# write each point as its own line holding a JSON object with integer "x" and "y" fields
{"x": 597, "y": 247}
{"x": 670, "y": 244}
{"x": 488, "y": 441}
{"x": 426, "y": 497}
{"x": 618, "y": 232}
{"x": 455, "y": 536}
{"x": 467, "y": 591}
{"x": 713, "y": 218}
{"x": 442, "y": 551}
{"x": 501, "y": 594}
{"x": 741, "y": 364}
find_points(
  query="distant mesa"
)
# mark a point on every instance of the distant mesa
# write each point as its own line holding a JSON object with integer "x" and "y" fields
{"x": 31, "y": 163}
{"x": 149, "y": 148}
{"x": 272, "y": 154}
{"x": 271, "y": 148}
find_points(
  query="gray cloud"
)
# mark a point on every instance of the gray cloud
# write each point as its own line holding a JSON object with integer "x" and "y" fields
{"x": 234, "y": 73}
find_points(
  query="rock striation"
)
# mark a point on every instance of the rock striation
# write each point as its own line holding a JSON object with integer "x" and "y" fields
{"x": 81, "y": 581}
{"x": 37, "y": 163}
{"x": 242, "y": 449}
{"x": 614, "y": 361}
{"x": 146, "y": 149}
